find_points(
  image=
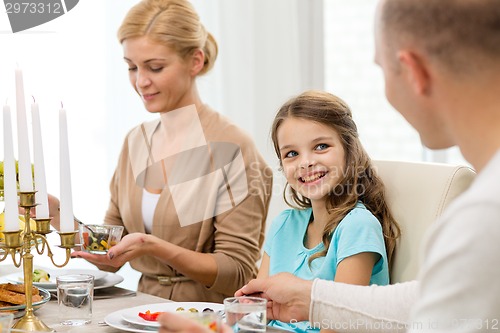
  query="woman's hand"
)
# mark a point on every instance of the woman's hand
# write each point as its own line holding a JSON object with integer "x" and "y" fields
{"x": 289, "y": 297}
{"x": 200, "y": 267}
{"x": 100, "y": 260}
{"x": 175, "y": 323}
{"x": 130, "y": 247}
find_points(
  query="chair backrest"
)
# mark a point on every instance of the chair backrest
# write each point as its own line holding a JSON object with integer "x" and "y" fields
{"x": 417, "y": 194}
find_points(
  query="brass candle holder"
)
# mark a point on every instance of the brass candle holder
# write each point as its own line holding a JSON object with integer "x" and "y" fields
{"x": 19, "y": 243}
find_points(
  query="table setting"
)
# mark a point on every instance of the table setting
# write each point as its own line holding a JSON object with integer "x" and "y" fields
{"x": 103, "y": 280}
{"x": 142, "y": 318}
{"x": 114, "y": 309}
{"x": 75, "y": 299}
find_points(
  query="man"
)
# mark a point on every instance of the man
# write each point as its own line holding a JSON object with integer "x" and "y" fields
{"x": 441, "y": 63}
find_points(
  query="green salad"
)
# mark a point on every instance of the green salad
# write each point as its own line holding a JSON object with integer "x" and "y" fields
{"x": 39, "y": 275}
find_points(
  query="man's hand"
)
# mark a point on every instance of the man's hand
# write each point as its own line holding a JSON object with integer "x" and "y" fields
{"x": 289, "y": 297}
{"x": 175, "y": 323}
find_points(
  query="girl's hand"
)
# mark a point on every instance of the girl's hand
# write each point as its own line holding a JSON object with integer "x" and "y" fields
{"x": 175, "y": 323}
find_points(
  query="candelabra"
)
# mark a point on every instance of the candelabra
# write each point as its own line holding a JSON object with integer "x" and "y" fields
{"x": 18, "y": 245}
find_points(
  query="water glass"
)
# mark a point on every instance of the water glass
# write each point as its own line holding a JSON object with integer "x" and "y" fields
{"x": 246, "y": 314}
{"x": 75, "y": 293}
{"x": 6, "y": 322}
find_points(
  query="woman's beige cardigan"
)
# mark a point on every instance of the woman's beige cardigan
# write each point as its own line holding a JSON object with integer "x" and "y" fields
{"x": 234, "y": 237}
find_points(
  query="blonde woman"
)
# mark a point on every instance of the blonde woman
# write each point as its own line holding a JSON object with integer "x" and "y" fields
{"x": 190, "y": 187}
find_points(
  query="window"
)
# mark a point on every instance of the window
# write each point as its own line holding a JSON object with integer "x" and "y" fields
{"x": 350, "y": 73}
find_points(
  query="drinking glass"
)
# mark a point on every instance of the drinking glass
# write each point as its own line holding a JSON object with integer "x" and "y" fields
{"x": 6, "y": 322}
{"x": 246, "y": 314}
{"x": 75, "y": 293}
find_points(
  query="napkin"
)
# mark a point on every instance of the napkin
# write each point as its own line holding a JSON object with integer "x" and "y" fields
{"x": 113, "y": 292}
{"x": 105, "y": 293}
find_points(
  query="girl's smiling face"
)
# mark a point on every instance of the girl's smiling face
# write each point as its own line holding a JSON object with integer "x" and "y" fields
{"x": 312, "y": 157}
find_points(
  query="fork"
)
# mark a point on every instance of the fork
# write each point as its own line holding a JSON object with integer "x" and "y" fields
{"x": 78, "y": 220}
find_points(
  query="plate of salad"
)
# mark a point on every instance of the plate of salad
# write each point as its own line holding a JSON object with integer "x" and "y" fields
{"x": 46, "y": 278}
{"x": 147, "y": 315}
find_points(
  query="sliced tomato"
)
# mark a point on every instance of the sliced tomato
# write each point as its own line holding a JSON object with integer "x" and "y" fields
{"x": 150, "y": 316}
{"x": 85, "y": 238}
{"x": 213, "y": 326}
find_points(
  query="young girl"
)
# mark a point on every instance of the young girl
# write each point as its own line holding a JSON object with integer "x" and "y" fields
{"x": 341, "y": 228}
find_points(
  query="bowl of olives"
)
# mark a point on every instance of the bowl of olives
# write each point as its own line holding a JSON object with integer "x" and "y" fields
{"x": 98, "y": 239}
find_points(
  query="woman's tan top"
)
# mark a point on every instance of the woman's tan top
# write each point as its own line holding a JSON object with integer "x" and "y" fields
{"x": 201, "y": 182}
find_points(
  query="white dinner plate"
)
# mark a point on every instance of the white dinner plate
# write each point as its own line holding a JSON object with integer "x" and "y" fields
{"x": 51, "y": 284}
{"x": 131, "y": 315}
{"x": 110, "y": 280}
{"x": 115, "y": 320}
{"x": 102, "y": 279}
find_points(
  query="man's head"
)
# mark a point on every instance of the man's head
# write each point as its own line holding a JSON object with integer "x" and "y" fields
{"x": 454, "y": 33}
{"x": 422, "y": 45}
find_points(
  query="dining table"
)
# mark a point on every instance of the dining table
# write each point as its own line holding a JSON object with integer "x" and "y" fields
{"x": 101, "y": 307}
{"x": 106, "y": 301}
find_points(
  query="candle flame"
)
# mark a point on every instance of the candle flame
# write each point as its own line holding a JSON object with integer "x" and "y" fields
{"x": 62, "y": 106}
{"x": 6, "y": 101}
{"x": 33, "y": 98}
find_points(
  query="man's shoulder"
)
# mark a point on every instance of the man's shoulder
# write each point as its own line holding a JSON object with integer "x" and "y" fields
{"x": 477, "y": 210}
{"x": 486, "y": 187}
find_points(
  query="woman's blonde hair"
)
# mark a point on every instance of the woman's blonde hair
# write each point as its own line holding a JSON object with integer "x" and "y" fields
{"x": 173, "y": 23}
{"x": 359, "y": 181}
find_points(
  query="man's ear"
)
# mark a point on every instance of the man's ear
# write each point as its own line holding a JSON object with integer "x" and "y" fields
{"x": 415, "y": 70}
{"x": 197, "y": 61}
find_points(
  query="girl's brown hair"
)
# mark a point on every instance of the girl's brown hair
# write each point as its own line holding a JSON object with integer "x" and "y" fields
{"x": 359, "y": 181}
{"x": 173, "y": 23}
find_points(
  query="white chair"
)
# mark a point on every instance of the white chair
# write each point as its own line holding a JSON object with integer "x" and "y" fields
{"x": 417, "y": 194}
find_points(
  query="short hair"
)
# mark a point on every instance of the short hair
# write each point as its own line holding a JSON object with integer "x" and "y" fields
{"x": 173, "y": 23}
{"x": 460, "y": 34}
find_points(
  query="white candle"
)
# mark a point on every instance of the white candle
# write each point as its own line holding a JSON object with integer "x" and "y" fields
{"x": 9, "y": 175}
{"x": 25, "y": 177}
{"x": 67, "y": 222}
{"x": 42, "y": 210}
